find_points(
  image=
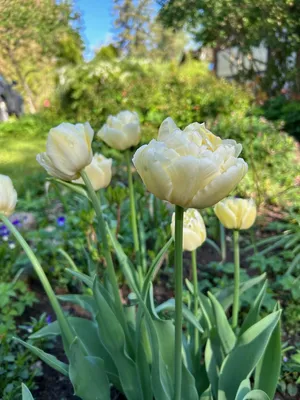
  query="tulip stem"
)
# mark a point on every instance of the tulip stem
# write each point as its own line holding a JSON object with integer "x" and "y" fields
{"x": 66, "y": 330}
{"x": 133, "y": 218}
{"x": 235, "y": 309}
{"x": 223, "y": 242}
{"x": 101, "y": 224}
{"x": 178, "y": 299}
{"x": 195, "y": 284}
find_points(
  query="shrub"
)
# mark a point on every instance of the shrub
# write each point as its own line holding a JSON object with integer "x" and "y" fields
{"x": 271, "y": 155}
{"x": 189, "y": 92}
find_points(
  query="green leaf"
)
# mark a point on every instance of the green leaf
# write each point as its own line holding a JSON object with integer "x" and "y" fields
{"x": 268, "y": 369}
{"x": 169, "y": 305}
{"x": 87, "y": 374}
{"x": 154, "y": 268}
{"x": 212, "y": 368}
{"x": 113, "y": 339}
{"x": 256, "y": 395}
{"x": 82, "y": 277}
{"x": 49, "y": 359}
{"x": 26, "y": 395}
{"x": 85, "y": 301}
{"x": 225, "y": 332}
{"x": 207, "y": 395}
{"x": 247, "y": 352}
{"x": 72, "y": 186}
{"x": 243, "y": 389}
{"x": 253, "y": 314}
{"x": 225, "y": 296}
{"x": 127, "y": 269}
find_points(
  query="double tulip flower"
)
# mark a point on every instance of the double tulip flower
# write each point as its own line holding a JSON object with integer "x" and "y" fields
{"x": 192, "y": 168}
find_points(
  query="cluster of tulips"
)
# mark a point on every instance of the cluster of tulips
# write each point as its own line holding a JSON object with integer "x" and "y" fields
{"x": 143, "y": 356}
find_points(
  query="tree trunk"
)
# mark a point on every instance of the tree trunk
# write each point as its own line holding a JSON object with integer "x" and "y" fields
{"x": 27, "y": 90}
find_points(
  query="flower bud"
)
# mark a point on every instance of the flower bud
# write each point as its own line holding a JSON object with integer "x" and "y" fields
{"x": 121, "y": 131}
{"x": 68, "y": 150}
{"x": 194, "y": 231}
{"x": 8, "y": 196}
{"x": 236, "y": 213}
{"x": 190, "y": 168}
{"x": 98, "y": 172}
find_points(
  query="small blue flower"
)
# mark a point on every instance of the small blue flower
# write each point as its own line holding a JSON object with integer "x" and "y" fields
{"x": 48, "y": 319}
{"x": 17, "y": 222}
{"x": 4, "y": 231}
{"x": 61, "y": 221}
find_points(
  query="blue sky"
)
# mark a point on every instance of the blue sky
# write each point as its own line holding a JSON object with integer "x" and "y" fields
{"x": 97, "y": 23}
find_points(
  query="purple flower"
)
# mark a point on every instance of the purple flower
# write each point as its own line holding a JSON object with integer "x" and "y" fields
{"x": 17, "y": 222}
{"x": 48, "y": 319}
{"x": 61, "y": 221}
{"x": 4, "y": 231}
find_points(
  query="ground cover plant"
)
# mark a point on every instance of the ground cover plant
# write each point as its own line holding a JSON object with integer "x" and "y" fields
{"x": 129, "y": 343}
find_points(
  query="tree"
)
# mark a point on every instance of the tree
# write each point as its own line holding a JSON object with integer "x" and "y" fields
{"x": 35, "y": 34}
{"x": 222, "y": 24}
{"x": 132, "y": 25}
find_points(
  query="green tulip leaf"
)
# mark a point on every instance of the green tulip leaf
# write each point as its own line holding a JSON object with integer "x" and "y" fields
{"x": 225, "y": 296}
{"x": 253, "y": 314}
{"x": 26, "y": 395}
{"x": 112, "y": 337}
{"x": 49, "y": 359}
{"x": 84, "y": 301}
{"x": 244, "y": 357}
{"x": 169, "y": 305}
{"x": 212, "y": 367}
{"x": 268, "y": 369}
{"x": 256, "y": 395}
{"x": 224, "y": 329}
{"x": 207, "y": 395}
{"x": 87, "y": 374}
{"x": 243, "y": 389}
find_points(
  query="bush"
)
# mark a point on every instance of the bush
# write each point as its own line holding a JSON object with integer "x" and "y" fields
{"x": 271, "y": 155}
{"x": 282, "y": 109}
{"x": 189, "y": 92}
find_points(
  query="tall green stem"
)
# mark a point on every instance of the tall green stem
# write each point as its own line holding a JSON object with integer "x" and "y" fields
{"x": 236, "y": 294}
{"x": 195, "y": 284}
{"x": 133, "y": 217}
{"x": 223, "y": 242}
{"x": 64, "y": 325}
{"x": 178, "y": 300}
{"x": 101, "y": 224}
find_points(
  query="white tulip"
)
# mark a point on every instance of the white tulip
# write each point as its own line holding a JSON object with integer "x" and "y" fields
{"x": 235, "y": 213}
{"x": 8, "y": 196}
{"x": 99, "y": 172}
{"x": 68, "y": 150}
{"x": 194, "y": 231}
{"x": 190, "y": 168}
{"x": 121, "y": 131}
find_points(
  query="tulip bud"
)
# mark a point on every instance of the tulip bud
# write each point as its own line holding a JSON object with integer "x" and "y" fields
{"x": 121, "y": 131}
{"x": 8, "y": 196}
{"x": 68, "y": 150}
{"x": 194, "y": 232}
{"x": 98, "y": 172}
{"x": 236, "y": 213}
{"x": 190, "y": 168}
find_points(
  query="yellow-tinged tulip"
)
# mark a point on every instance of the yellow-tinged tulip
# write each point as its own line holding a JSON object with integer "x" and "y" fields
{"x": 190, "y": 168}
{"x": 68, "y": 150}
{"x": 98, "y": 172}
{"x": 121, "y": 131}
{"x": 194, "y": 231}
{"x": 8, "y": 196}
{"x": 236, "y": 213}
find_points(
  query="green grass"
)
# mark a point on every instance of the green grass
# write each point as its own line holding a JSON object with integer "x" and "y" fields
{"x": 20, "y": 141}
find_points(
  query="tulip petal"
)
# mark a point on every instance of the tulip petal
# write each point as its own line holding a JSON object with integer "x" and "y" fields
{"x": 221, "y": 186}
{"x": 47, "y": 164}
{"x": 167, "y": 127}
